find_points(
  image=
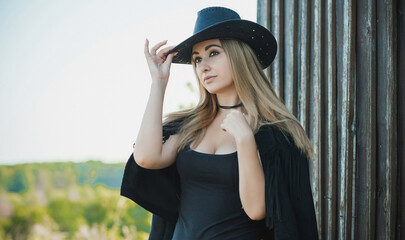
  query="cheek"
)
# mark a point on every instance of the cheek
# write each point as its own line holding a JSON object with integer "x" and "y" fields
{"x": 228, "y": 71}
{"x": 226, "y": 68}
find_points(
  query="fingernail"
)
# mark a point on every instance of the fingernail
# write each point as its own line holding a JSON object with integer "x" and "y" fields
{"x": 176, "y": 53}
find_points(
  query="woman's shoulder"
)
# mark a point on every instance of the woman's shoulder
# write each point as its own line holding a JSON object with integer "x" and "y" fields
{"x": 272, "y": 137}
{"x": 274, "y": 134}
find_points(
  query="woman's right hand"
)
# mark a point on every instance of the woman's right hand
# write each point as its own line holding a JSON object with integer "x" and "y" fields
{"x": 149, "y": 151}
{"x": 159, "y": 64}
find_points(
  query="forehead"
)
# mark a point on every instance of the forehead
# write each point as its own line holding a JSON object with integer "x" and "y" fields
{"x": 199, "y": 47}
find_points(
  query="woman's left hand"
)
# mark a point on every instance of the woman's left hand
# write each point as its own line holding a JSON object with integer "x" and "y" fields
{"x": 236, "y": 124}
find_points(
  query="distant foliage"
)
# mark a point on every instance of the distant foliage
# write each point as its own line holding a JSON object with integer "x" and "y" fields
{"x": 95, "y": 173}
{"x": 20, "y": 224}
{"x": 138, "y": 216}
{"x": 107, "y": 176}
{"x": 68, "y": 215}
{"x": 17, "y": 183}
{"x": 68, "y": 201}
{"x": 95, "y": 213}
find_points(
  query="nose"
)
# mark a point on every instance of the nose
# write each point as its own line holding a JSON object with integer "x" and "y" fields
{"x": 204, "y": 65}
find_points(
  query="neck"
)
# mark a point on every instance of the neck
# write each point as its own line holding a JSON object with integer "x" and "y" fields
{"x": 228, "y": 100}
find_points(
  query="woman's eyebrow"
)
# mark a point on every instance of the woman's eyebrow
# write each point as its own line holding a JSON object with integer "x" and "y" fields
{"x": 207, "y": 47}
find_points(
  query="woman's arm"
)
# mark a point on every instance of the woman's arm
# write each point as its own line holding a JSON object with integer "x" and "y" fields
{"x": 251, "y": 175}
{"x": 251, "y": 178}
{"x": 149, "y": 150}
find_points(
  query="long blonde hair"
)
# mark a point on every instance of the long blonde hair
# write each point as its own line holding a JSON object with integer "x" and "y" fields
{"x": 256, "y": 93}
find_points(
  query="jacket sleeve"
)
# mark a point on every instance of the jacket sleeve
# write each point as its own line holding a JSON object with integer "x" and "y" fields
{"x": 289, "y": 203}
{"x": 156, "y": 190}
{"x": 302, "y": 198}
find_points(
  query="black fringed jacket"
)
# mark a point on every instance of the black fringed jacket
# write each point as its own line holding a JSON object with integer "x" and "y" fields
{"x": 289, "y": 203}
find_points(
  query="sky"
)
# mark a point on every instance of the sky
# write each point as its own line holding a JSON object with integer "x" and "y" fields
{"x": 73, "y": 78}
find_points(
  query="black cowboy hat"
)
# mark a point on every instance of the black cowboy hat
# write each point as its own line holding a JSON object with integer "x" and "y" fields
{"x": 224, "y": 23}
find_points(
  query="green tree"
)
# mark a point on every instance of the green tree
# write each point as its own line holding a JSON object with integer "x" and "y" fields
{"x": 17, "y": 183}
{"x": 67, "y": 214}
{"x": 137, "y": 216}
{"x": 20, "y": 224}
{"x": 95, "y": 213}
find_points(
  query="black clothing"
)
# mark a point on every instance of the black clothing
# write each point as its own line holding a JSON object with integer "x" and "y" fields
{"x": 289, "y": 203}
{"x": 210, "y": 206}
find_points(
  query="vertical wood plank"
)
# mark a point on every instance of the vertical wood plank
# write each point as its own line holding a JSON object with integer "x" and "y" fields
{"x": 263, "y": 13}
{"x": 331, "y": 121}
{"x": 366, "y": 115}
{"x": 263, "y": 18}
{"x": 303, "y": 62}
{"x": 290, "y": 57}
{"x": 316, "y": 114}
{"x": 346, "y": 150}
{"x": 277, "y": 27}
{"x": 339, "y": 101}
{"x": 391, "y": 110}
{"x": 401, "y": 119}
{"x": 354, "y": 174}
{"x": 386, "y": 119}
{"x": 371, "y": 137}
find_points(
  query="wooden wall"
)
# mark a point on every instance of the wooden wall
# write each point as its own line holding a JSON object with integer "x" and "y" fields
{"x": 340, "y": 68}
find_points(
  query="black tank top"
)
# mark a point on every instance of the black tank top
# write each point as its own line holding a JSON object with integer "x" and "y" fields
{"x": 210, "y": 206}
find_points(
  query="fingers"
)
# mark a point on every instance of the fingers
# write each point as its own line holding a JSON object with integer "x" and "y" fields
{"x": 162, "y": 53}
{"x": 154, "y": 49}
{"x": 169, "y": 58}
{"x": 146, "y": 48}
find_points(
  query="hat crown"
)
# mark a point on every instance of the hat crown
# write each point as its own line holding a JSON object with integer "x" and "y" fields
{"x": 224, "y": 23}
{"x": 213, "y": 15}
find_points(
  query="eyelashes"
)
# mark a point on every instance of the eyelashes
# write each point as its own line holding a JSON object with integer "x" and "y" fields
{"x": 197, "y": 60}
{"x": 211, "y": 54}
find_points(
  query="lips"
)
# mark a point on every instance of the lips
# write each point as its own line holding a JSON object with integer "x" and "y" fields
{"x": 208, "y": 78}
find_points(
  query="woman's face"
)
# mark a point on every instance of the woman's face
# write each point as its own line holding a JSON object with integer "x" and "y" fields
{"x": 212, "y": 66}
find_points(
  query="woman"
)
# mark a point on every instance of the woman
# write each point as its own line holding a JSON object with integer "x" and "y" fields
{"x": 233, "y": 167}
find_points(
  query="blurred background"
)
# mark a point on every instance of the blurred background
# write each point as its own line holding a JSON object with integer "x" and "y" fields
{"x": 73, "y": 89}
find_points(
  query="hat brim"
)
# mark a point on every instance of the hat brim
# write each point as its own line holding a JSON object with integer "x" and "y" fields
{"x": 260, "y": 39}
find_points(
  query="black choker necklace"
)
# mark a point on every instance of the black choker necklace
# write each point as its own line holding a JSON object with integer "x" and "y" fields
{"x": 229, "y": 107}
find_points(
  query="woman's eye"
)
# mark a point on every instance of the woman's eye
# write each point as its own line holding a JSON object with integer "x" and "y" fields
{"x": 197, "y": 60}
{"x": 213, "y": 53}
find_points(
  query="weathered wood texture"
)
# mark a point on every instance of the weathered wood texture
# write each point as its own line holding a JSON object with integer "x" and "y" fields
{"x": 340, "y": 68}
{"x": 400, "y": 231}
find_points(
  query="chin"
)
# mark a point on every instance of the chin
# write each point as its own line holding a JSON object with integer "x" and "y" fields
{"x": 212, "y": 90}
